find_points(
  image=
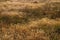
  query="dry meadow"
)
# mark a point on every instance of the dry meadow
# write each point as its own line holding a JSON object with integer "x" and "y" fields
{"x": 29, "y": 21}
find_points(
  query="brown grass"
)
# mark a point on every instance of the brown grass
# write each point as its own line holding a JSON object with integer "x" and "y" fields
{"x": 28, "y": 21}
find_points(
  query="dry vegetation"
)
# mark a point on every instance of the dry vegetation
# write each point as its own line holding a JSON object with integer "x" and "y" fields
{"x": 29, "y": 21}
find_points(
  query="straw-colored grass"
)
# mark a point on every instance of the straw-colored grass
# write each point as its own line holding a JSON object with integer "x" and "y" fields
{"x": 28, "y": 21}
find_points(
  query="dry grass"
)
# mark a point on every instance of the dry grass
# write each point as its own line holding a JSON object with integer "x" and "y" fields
{"x": 28, "y": 21}
{"x": 17, "y": 5}
{"x": 34, "y": 30}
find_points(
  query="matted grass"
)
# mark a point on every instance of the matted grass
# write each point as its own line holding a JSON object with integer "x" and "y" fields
{"x": 28, "y": 21}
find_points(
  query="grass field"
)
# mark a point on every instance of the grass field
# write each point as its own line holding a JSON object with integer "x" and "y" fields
{"x": 29, "y": 21}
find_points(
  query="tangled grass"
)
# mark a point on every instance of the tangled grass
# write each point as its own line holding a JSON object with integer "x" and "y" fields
{"x": 19, "y": 21}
